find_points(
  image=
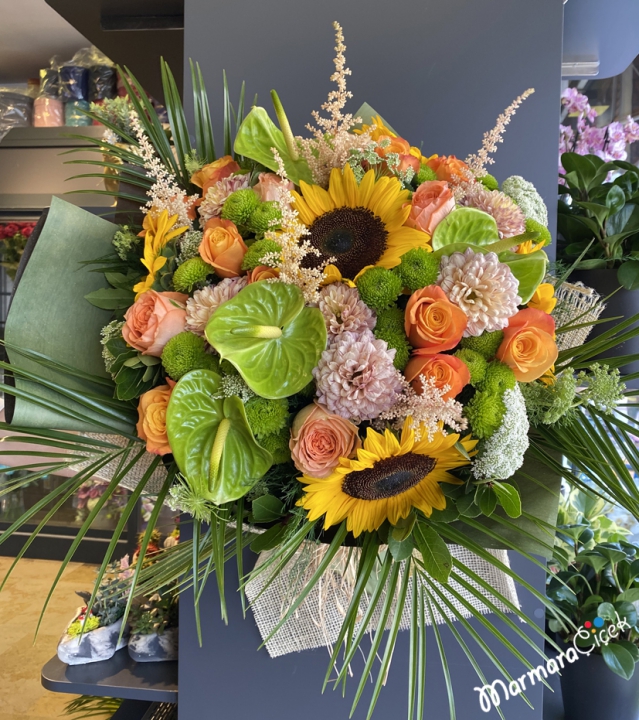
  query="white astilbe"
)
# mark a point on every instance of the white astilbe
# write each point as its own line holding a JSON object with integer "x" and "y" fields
{"x": 295, "y": 247}
{"x": 332, "y": 142}
{"x": 428, "y": 411}
{"x": 165, "y": 194}
{"x": 503, "y": 453}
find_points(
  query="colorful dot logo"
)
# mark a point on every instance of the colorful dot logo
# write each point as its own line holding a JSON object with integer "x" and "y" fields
{"x": 597, "y": 622}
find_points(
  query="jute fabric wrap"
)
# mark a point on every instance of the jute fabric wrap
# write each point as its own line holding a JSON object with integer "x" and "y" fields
{"x": 318, "y": 620}
{"x": 576, "y": 304}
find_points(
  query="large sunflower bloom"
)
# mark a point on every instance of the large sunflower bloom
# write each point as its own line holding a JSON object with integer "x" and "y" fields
{"x": 358, "y": 225}
{"x": 388, "y": 479}
{"x": 157, "y": 233}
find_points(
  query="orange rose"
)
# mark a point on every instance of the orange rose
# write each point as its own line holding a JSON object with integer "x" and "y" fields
{"x": 402, "y": 148}
{"x": 432, "y": 322}
{"x": 432, "y": 201}
{"x": 449, "y": 168}
{"x": 446, "y": 369}
{"x": 319, "y": 439}
{"x": 151, "y": 425}
{"x": 222, "y": 246}
{"x": 528, "y": 347}
{"x": 153, "y": 319}
{"x": 262, "y": 272}
{"x": 269, "y": 186}
{"x": 213, "y": 172}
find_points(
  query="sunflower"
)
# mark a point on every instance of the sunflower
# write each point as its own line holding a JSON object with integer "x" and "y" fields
{"x": 388, "y": 478}
{"x": 358, "y": 225}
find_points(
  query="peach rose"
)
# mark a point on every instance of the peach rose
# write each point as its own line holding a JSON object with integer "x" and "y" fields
{"x": 222, "y": 246}
{"x": 432, "y": 322}
{"x": 446, "y": 369}
{"x": 319, "y": 439}
{"x": 432, "y": 201}
{"x": 269, "y": 185}
{"x": 402, "y": 148}
{"x": 528, "y": 347}
{"x": 262, "y": 272}
{"x": 151, "y": 425}
{"x": 153, "y": 319}
{"x": 214, "y": 172}
{"x": 449, "y": 168}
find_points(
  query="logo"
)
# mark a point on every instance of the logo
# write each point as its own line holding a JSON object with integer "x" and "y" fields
{"x": 488, "y": 694}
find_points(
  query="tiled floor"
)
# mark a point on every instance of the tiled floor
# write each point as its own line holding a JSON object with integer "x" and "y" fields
{"x": 22, "y": 697}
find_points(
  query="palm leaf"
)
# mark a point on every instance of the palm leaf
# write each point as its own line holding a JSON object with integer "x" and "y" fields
{"x": 203, "y": 125}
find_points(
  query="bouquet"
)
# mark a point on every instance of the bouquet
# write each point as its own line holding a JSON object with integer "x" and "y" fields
{"x": 333, "y": 342}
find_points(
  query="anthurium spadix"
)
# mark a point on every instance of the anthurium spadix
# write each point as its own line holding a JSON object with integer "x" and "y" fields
{"x": 269, "y": 335}
{"x": 211, "y": 440}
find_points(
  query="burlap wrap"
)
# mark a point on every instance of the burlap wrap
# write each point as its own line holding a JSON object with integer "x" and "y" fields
{"x": 317, "y": 622}
{"x": 576, "y": 304}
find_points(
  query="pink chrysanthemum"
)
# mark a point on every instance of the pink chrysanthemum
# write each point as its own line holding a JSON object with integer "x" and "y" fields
{"x": 343, "y": 311}
{"x": 217, "y": 195}
{"x": 206, "y": 301}
{"x": 356, "y": 377}
{"x": 508, "y": 216}
{"x": 484, "y": 288}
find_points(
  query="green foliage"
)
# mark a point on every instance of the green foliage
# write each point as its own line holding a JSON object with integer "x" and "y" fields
{"x": 239, "y": 206}
{"x": 266, "y": 416}
{"x": 486, "y": 344}
{"x": 418, "y": 269}
{"x": 489, "y": 181}
{"x": 185, "y": 352}
{"x": 117, "y": 113}
{"x": 544, "y": 233}
{"x": 379, "y": 288}
{"x": 390, "y": 328}
{"x": 548, "y": 404}
{"x": 271, "y": 337}
{"x": 127, "y": 243}
{"x": 132, "y": 372}
{"x": 499, "y": 377}
{"x": 155, "y": 614}
{"x": 485, "y": 412}
{"x": 263, "y": 217}
{"x": 425, "y": 174}
{"x": 475, "y": 363}
{"x": 602, "y": 217}
{"x": 277, "y": 445}
{"x": 256, "y": 252}
{"x": 191, "y": 274}
{"x": 601, "y": 386}
{"x": 88, "y": 706}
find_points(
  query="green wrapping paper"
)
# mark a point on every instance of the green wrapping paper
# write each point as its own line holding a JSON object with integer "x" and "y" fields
{"x": 49, "y": 315}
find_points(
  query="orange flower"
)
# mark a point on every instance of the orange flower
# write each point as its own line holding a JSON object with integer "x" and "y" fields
{"x": 400, "y": 147}
{"x": 153, "y": 319}
{"x": 446, "y": 369}
{"x": 151, "y": 425}
{"x": 528, "y": 347}
{"x": 432, "y": 201}
{"x": 262, "y": 272}
{"x": 213, "y": 172}
{"x": 222, "y": 246}
{"x": 449, "y": 168}
{"x": 432, "y": 322}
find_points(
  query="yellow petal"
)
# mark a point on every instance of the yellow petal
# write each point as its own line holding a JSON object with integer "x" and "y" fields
{"x": 349, "y": 184}
{"x": 336, "y": 189}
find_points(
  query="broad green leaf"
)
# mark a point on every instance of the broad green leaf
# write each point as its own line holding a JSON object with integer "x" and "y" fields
{"x": 627, "y": 611}
{"x": 269, "y": 539}
{"x": 630, "y": 596}
{"x": 529, "y": 269}
{"x": 268, "y": 334}
{"x": 597, "y": 562}
{"x": 434, "y": 551}
{"x": 267, "y": 509}
{"x": 403, "y": 527}
{"x": 211, "y": 440}
{"x": 630, "y": 647}
{"x": 508, "y": 497}
{"x": 465, "y": 225}
{"x": 619, "y": 660}
{"x": 255, "y": 138}
{"x": 486, "y": 498}
{"x": 628, "y": 274}
{"x": 367, "y": 113}
{"x": 582, "y": 166}
{"x": 111, "y": 298}
{"x": 611, "y": 554}
{"x": 606, "y": 611}
{"x": 615, "y": 199}
{"x": 401, "y": 549}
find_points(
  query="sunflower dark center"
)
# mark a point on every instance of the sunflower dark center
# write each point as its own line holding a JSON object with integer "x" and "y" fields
{"x": 388, "y": 477}
{"x": 355, "y": 237}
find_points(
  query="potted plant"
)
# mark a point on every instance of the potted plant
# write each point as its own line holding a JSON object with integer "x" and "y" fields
{"x": 596, "y": 585}
{"x": 154, "y": 627}
{"x": 95, "y": 633}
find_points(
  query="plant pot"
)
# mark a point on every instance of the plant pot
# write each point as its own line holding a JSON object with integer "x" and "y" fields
{"x": 591, "y": 691}
{"x": 95, "y": 645}
{"x": 623, "y": 303}
{"x": 154, "y": 647}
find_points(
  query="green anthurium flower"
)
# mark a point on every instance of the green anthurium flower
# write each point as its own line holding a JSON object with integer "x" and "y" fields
{"x": 466, "y": 225}
{"x": 529, "y": 269}
{"x": 269, "y": 335}
{"x": 256, "y": 137}
{"x": 211, "y": 440}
